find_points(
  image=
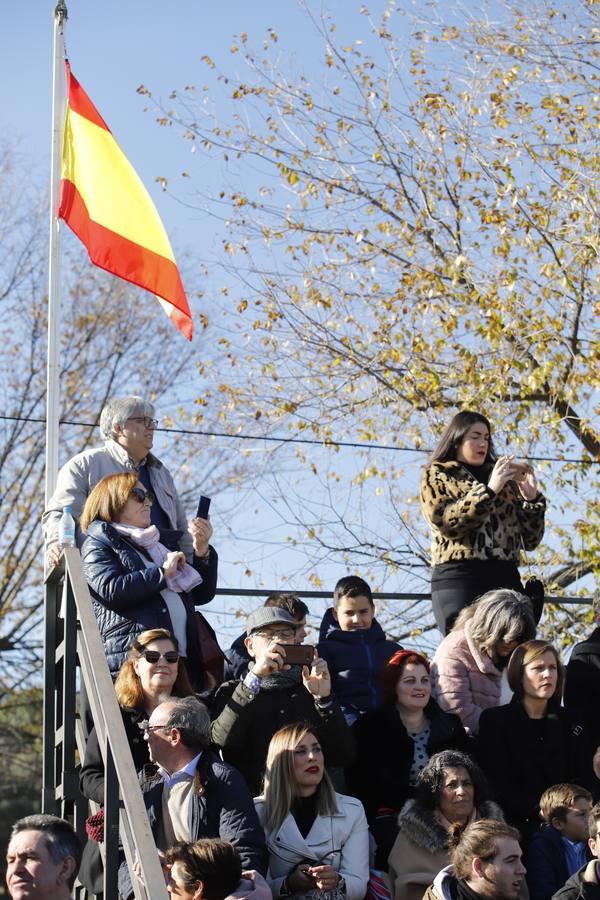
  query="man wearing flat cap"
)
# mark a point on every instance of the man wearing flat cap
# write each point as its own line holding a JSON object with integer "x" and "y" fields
{"x": 247, "y": 713}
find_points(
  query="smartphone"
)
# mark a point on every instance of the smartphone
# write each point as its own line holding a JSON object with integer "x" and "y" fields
{"x": 203, "y": 508}
{"x": 298, "y": 654}
{"x": 521, "y": 470}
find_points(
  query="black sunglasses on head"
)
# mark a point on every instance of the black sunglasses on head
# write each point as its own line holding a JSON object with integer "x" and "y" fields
{"x": 153, "y": 656}
{"x": 142, "y": 496}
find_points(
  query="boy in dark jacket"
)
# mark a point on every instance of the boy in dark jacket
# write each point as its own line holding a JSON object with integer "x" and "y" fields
{"x": 354, "y": 646}
{"x": 559, "y": 848}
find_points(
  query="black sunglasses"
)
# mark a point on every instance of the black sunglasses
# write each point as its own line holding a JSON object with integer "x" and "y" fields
{"x": 142, "y": 496}
{"x": 153, "y": 656}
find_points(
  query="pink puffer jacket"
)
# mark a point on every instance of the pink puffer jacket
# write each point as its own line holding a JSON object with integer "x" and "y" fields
{"x": 464, "y": 679}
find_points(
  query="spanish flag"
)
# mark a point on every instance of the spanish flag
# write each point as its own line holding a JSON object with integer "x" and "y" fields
{"x": 106, "y": 205}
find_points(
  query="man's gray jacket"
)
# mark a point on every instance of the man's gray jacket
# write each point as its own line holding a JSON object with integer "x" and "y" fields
{"x": 83, "y": 472}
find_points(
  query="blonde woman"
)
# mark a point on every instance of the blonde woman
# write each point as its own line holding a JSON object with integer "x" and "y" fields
{"x": 317, "y": 840}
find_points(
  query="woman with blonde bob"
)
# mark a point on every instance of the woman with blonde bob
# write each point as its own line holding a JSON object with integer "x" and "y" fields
{"x": 138, "y": 578}
{"x": 532, "y": 743}
{"x": 466, "y": 670}
{"x": 317, "y": 839}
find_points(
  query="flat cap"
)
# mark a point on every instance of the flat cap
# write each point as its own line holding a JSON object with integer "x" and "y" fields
{"x": 269, "y": 615}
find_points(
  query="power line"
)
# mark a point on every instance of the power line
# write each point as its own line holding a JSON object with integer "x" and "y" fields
{"x": 294, "y": 440}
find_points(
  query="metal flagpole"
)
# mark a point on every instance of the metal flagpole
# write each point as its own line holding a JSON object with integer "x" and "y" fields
{"x": 53, "y": 368}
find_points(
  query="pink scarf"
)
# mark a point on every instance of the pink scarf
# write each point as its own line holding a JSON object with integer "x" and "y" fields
{"x": 149, "y": 538}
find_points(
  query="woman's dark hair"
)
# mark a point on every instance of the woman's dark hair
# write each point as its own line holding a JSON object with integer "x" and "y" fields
{"x": 454, "y": 433}
{"x": 431, "y": 779}
{"x": 393, "y": 669}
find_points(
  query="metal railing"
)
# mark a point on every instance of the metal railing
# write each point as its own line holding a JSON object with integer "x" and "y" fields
{"x": 72, "y": 640}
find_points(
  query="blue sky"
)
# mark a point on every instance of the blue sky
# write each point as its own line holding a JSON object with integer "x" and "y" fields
{"x": 114, "y": 47}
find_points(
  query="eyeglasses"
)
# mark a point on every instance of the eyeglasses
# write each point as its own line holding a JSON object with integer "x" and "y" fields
{"x": 148, "y": 728}
{"x": 285, "y": 636}
{"x": 146, "y": 420}
{"x": 142, "y": 495}
{"x": 153, "y": 656}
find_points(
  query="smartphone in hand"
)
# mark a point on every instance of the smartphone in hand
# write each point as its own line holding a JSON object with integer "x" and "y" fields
{"x": 298, "y": 654}
{"x": 203, "y": 508}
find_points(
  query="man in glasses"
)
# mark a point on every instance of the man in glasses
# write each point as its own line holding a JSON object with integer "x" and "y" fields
{"x": 127, "y": 425}
{"x": 237, "y": 658}
{"x": 190, "y": 793}
{"x": 248, "y": 712}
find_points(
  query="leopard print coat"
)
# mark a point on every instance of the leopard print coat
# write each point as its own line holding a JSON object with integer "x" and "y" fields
{"x": 468, "y": 522}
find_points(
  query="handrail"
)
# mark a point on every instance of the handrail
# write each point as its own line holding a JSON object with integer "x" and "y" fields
{"x": 72, "y": 636}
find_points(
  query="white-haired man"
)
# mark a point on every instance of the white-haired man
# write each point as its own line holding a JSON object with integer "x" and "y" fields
{"x": 127, "y": 425}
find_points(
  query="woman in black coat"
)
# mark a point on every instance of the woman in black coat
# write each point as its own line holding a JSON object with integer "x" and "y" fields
{"x": 136, "y": 581}
{"x": 532, "y": 743}
{"x": 396, "y": 741}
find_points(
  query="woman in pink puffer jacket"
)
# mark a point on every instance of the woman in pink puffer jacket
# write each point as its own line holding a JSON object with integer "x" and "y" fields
{"x": 466, "y": 670}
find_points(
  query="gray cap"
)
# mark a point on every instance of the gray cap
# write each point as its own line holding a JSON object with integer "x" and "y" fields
{"x": 269, "y": 615}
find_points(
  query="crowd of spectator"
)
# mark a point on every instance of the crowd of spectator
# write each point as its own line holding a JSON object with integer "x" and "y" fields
{"x": 375, "y": 772}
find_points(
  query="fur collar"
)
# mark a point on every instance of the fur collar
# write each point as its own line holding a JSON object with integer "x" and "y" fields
{"x": 421, "y": 827}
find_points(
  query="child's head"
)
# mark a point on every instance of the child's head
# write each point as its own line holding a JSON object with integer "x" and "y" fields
{"x": 353, "y": 607}
{"x": 567, "y": 807}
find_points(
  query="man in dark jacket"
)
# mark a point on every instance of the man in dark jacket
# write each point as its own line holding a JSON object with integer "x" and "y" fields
{"x": 585, "y": 884}
{"x": 237, "y": 658}
{"x": 355, "y": 647}
{"x": 273, "y": 694}
{"x": 190, "y": 793}
{"x": 582, "y": 680}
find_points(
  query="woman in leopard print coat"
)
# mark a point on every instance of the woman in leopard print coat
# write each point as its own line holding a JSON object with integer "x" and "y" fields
{"x": 482, "y": 511}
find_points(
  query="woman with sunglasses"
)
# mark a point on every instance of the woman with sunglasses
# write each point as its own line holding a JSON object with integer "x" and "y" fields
{"x": 153, "y": 671}
{"x": 138, "y": 580}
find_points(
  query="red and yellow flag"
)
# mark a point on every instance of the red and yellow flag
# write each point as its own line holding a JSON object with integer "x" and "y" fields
{"x": 105, "y": 203}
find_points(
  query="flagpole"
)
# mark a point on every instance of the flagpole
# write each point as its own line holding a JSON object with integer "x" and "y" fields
{"x": 53, "y": 367}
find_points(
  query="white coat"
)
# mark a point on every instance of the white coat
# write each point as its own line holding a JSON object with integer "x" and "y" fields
{"x": 341, "y": 841}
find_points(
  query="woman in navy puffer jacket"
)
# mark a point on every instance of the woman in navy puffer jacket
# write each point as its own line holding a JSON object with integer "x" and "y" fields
{"x": 137, "y": 582}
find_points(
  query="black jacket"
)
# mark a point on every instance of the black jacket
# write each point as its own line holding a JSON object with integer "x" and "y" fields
{"x": 222, "y": 807}
{"x": 126, "y": 595}
{"x": 582, "y": 683}
{"x": 91, "y": 779}
{"x": 578, "y": 889}
{"x": 244, "y": 723}
{"x": 355, "y": 660}
{"x": 546, "y": 863}
{"x": 237, "y": 660}
{"x": 380, "y": 776}
{"x": 522, "y": 757}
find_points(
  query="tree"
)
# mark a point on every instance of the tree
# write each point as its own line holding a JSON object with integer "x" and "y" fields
{"x": 422, "y": 235}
